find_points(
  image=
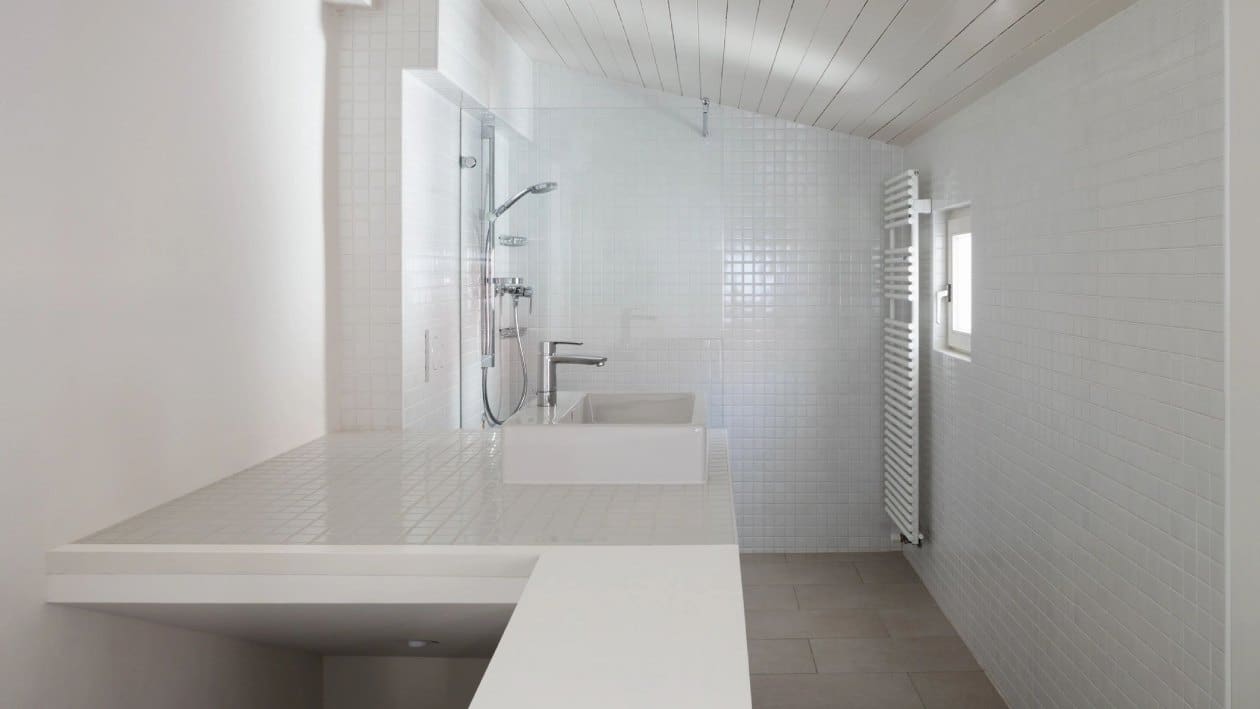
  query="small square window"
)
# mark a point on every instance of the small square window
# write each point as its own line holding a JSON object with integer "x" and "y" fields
{"x": 954, "y": 300}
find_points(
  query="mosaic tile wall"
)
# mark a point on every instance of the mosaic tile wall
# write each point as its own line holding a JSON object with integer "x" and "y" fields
{"x": 397, "y": 243}
{"x": 373, "y": 47}
{"x": 1074, "y": 468}
{"x": 801, "y": 338}
{"x": 742, "y": 266}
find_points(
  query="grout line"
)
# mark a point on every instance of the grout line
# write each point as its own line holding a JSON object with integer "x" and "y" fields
{"x": 812, "y": 660}
{"x": 917, "y": 693}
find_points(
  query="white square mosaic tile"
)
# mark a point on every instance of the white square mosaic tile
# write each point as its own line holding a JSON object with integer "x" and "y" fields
{"x": 1074, "y": 469}
{"x": 742, "y": 266}
{"x": 429, "y": 488}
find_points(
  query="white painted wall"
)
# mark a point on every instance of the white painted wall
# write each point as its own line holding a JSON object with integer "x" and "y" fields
{"x": 401, "y": 682}
{"x": 1243, "y": 349}
{"x": 161, "y": 300}
{"x": 477, "y": 55}
{"x": 1074, "y": 479}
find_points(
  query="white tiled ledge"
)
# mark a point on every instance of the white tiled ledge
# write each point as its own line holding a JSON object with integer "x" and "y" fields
{"x": 429, "y": 488}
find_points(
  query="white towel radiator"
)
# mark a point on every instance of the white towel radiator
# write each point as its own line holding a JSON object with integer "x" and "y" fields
{"x": 902, "y": 207}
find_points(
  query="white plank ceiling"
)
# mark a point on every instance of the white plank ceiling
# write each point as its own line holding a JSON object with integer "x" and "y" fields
{"x": 882, "y": 69}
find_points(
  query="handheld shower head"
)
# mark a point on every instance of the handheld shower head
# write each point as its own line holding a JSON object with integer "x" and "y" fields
{"x": 540, "y": 188}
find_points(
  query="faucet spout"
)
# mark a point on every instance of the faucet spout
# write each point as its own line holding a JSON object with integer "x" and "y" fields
{"x": 579, "y": 359}
{"x": 547, "y": 361}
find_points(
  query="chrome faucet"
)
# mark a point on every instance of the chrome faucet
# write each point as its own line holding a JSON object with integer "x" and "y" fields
{"x": 547, "y": 361}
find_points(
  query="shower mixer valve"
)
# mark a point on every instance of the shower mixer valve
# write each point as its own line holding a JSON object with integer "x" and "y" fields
{"x": 516, "y": 291}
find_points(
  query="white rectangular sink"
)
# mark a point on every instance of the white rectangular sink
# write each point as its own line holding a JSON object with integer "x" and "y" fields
{"x": 592, "y": 438}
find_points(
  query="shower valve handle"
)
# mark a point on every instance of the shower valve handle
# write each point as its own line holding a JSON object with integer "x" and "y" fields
{"x": 528, "y": 294}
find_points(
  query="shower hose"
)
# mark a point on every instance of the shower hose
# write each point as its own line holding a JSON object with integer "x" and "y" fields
{"x": 485, "y": 371}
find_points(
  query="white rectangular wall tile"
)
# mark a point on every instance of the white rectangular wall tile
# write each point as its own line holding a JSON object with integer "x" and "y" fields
{"x": 1073, "y": 472}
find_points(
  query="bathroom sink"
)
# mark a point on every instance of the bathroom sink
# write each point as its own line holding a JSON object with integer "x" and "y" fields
{"x": 589, "y": 438}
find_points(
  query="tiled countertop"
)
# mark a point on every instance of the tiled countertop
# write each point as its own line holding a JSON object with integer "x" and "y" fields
{"x": 610, "y": 584}
{"x": 428, "y": 488}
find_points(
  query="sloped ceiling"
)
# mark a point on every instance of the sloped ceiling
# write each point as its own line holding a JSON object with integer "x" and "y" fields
{"x": 882, "y": 69}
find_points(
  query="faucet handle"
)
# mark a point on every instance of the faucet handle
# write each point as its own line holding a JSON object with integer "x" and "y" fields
{"x": 549, "y": 346}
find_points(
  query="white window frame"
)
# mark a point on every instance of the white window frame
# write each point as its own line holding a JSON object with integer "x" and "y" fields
{"x": 957, "y": 224}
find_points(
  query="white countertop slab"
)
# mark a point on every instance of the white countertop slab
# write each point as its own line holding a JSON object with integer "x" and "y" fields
{"x": 625, "y": 628}
{"x": 593, "y": 626}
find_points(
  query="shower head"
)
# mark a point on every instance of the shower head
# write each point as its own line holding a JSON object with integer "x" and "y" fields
{"x": 540, "y": 188}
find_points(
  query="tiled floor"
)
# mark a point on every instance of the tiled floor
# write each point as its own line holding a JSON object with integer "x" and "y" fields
{"x": 853, "y": 631}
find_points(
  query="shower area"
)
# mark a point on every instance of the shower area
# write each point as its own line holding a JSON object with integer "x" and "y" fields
{"x": 574, "y": 229}
{"x": 738, "y": 262}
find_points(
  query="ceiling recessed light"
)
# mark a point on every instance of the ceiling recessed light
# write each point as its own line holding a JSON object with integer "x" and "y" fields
{"x": 417, "y": 644}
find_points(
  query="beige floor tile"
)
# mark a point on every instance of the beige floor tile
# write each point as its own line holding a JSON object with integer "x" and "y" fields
{"x": 957, "y": 690}
{"x": 922, "y": 622}
{"x": 871, "y": 595}
{"x": 891, "y": 570}
{"x": 831, "y": 623}
{"x": 784, "y": 573}
{"x": 780, "y": 657}
{"x": 892, "y": 655}
{"x": 769, "y": 598}
{"x": 760, "y": 558}
{"x": 850, "y": 691}
{"x": 844, "y": 557}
